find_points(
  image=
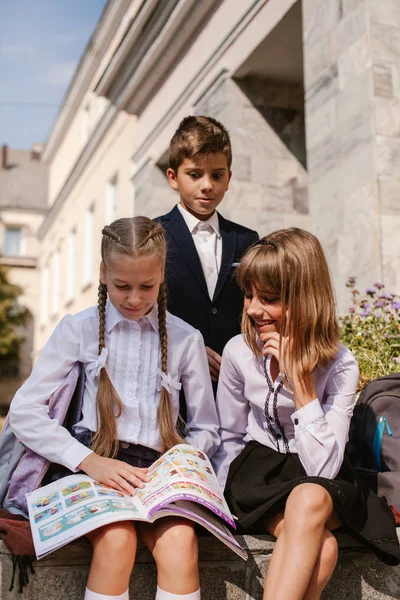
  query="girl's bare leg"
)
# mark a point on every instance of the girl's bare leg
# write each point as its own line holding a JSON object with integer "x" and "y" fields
{"x": 114, "y": 551}
{"x": 301, "y": 537}
{"x": 173, "y": 544}
{"x": 324, "y": 567}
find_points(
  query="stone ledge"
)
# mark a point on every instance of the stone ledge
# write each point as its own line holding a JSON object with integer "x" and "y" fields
{"x": 224, "y": 576}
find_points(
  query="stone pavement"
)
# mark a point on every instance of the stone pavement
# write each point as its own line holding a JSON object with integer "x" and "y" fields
{"x": 224, "y": 576}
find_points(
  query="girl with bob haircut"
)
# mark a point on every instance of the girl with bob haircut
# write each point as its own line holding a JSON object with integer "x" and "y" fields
{"x": 136, "y": 357}
{"x": 285, "y": 398}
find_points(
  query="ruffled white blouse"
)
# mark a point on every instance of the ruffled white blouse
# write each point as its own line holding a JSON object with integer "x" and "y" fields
{"x": 132, "y": 357}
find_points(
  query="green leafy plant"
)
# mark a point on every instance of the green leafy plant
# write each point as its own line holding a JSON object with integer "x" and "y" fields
{"x": 371, "y": 330}
{"x": 12, "y": 315}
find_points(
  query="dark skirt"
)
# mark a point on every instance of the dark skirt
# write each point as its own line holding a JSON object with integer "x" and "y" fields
{"x": 261, "y": 479}
{"x": 133, "y": 454}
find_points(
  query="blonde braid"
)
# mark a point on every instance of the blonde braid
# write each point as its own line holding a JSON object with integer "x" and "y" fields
{"x": 105, "y": 442}
{"x": 107, "y": 230}
{"x": 168, "y": 431}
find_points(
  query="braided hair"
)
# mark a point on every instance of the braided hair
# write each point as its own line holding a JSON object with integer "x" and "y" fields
{"x": 133, "y": 237}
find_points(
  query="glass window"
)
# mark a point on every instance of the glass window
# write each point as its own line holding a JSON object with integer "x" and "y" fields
{"x": 12, "y": 241}
{"x": 111, "y": 200}
{"x": 88, "y": 246}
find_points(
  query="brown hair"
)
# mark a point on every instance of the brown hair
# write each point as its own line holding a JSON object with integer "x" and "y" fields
{"x": 197, "y": 136}
{"x": 291, "y": 265}
{"x": 134, "y": 237}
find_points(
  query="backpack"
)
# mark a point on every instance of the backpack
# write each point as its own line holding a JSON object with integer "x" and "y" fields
{"x": 21, "y": 469}
{"x": 374, "y": 438}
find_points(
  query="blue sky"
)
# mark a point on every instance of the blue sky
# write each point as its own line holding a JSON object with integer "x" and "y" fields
{"x": 41, "y": 42}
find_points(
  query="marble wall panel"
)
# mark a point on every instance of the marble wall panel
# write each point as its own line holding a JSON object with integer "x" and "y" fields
{"x": 383, "y": 81}
{"x": 354, "y": 61}
{"x": 389, "y": 193}
{"x": 349, "y": 5}
{"x": 385, "y": 44}
{"x": 353, "y": 25}
{"x": 321, "y": 58}
{"x": 389, "y": 12}
{"x": 388, "y": 116}
{"x": 319, "y": 18}
{"x": 395, "y": 70}
{"x": 388, "y": 156}
{"x": 322, "y": 89}
{"x": 322, "y": 122}
{"x": 390, "y": 226}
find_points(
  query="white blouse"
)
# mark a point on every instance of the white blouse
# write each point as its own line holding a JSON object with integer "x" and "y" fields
{"x": 317, "y": 432}
{"x": 133, "y": 363}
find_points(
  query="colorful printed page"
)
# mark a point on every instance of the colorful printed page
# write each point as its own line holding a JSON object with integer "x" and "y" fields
{"x": 71, "y": 507}
{"x": 184, "y": 473}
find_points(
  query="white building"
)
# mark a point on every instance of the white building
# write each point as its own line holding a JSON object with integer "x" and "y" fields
{"x": 309, "y": 90}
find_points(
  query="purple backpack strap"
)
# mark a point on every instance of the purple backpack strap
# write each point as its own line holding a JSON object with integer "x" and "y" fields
{"x": 32, "y": 467}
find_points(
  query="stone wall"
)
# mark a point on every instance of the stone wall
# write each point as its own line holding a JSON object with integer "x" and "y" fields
{"x": 223, "y": 575}
{"x": 352, "y": 84}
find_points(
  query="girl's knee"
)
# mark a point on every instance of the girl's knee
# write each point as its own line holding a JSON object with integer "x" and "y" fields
{"x": 177, "y": 541}
{"x": 312, "y": 499}
{"x": 115, "y": 540}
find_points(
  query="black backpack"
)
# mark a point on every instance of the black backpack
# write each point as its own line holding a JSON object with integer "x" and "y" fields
{"x": 374, "y": 438}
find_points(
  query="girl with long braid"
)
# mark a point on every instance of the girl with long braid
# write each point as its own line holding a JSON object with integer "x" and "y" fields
{"x": 136, "y": 358}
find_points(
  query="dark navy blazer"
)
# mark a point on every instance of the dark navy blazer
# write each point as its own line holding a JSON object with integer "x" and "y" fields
{"x": 217, "y": 319}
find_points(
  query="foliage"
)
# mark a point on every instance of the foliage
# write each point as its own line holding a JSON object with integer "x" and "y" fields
{"x": 12, "y": 315}
{"x": 371, "y": 330}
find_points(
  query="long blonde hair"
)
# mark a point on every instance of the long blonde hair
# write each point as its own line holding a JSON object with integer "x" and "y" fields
{"x": 132, "y": 237}
{"x": 291, "y": 265}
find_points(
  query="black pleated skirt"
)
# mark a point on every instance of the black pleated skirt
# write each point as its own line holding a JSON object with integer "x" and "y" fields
{"x": 260, "y": 480}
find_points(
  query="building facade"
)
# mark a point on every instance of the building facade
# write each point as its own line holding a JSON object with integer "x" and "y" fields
{"x": 23, "y": 206}
{"x": 309, "y": 91}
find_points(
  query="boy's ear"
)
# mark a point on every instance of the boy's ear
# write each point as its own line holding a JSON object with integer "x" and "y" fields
{"x": 173, "y": 182}
{"x": 229, "y": 178}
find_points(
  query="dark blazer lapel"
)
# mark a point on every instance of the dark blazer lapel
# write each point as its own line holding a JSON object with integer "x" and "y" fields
{"x": 229, "y": 242}
{"x": 178, "y": 230}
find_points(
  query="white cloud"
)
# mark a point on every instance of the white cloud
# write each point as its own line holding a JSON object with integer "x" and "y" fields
{"x": 18, "y": 50}
{"x": 59, "y": 74}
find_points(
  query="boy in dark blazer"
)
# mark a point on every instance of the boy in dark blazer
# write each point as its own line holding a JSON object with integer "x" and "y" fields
{"x": 203, "y": 247}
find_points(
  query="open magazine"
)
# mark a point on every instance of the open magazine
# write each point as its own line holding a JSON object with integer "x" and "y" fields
{"x": 182, "y": 483}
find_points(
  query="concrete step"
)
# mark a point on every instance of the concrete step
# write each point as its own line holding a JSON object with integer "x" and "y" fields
{"x": 224, "y": 576}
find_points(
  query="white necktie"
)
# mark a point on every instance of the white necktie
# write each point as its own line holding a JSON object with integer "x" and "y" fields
{"x": 208, "y": 255}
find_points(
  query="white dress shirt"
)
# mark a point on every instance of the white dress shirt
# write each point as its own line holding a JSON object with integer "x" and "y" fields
{"x": 208, "y": 241}
{"x": 317, "y": 432}
{"x": 133, "y": 365}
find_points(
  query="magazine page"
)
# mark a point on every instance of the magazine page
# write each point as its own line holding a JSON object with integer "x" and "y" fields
{"x": 203, "y": 517}
{"x": 184, "y": 473}
{"x": 71, "y": 507}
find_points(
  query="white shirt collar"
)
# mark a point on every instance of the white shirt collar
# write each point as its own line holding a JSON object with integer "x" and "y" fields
{"x": 113, "y": 317}
{"x": 193, "y": 222}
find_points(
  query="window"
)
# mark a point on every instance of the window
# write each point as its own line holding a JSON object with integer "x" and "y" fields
{"x": 86, "y": 124}
{"x": 45, "y": 295}
{"x": 88, "y": 247}
{"x": 12, "y": 241}
{"x": 71, "y": 245}
{"x": 111, "y": 200}
{"x": 55, "y": 292}
{"x": 101, "y": 106}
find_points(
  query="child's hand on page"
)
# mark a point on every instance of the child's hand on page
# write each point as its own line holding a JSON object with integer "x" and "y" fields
{"x": 214, "y": 363}
{"x": 114, "y": 473}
